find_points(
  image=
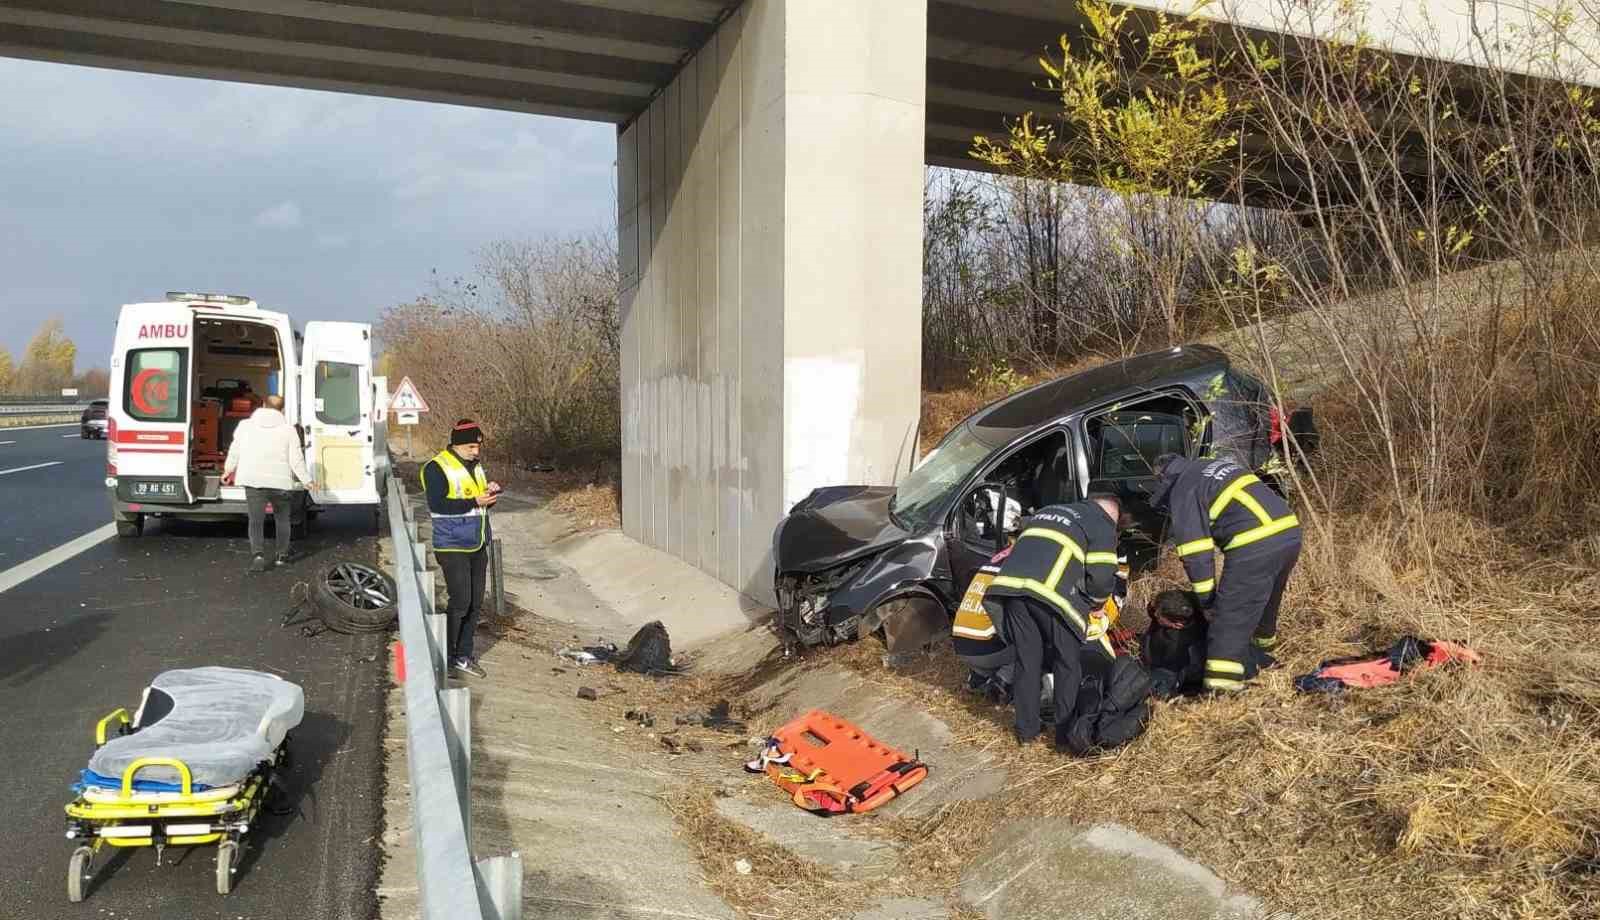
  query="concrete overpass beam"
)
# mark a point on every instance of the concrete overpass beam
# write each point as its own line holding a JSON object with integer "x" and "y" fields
{"x": 770, "y": 238}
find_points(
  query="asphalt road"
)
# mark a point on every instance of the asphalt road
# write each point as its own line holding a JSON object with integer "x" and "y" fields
{"x": 86, "y": 636}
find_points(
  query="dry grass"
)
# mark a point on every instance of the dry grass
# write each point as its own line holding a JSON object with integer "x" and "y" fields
{"x": 588, "y": 503}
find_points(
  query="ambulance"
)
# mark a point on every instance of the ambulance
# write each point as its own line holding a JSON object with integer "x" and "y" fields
{"x": 185, "y": 372}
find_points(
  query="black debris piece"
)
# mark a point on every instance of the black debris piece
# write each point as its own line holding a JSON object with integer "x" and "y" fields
{"x": 587, "y": 693}
{"x": 648, "y": 652}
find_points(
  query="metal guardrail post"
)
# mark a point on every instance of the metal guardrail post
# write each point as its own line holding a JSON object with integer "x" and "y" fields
{"x": 498, "y": 564}
{"x": 500, "y": 887}
{"x": 457, "y": 704}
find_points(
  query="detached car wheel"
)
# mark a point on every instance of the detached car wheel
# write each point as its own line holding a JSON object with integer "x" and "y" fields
{"x": 355, "y": 598}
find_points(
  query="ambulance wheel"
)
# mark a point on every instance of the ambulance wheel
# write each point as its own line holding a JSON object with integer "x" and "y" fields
{"x": 79, "y": 869}
{"x": 227, "y": 858}
{"x": 131, "y": 526}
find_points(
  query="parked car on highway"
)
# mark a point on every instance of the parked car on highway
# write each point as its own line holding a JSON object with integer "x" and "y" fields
{"x": 92, "y": 423}
{"x": 186, "y": 371}
{"x": 852, "y": 559}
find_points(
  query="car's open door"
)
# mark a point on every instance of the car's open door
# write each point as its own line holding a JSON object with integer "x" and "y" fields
{"x": 336, "y": 412}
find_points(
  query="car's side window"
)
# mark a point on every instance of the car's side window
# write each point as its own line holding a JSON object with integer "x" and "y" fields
{"x": 1033, "y": 475}
{"x": 1124, "y": 441}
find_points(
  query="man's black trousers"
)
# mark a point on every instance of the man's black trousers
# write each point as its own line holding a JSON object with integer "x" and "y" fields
{"x": 1041, "y": 639}
{"x": 255, "y": 503}
{"x": 1248, "y": 596}
{"x": 465, "y": 575}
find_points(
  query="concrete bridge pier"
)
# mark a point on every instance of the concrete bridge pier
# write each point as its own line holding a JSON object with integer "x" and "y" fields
{"x": 770, "y": 239}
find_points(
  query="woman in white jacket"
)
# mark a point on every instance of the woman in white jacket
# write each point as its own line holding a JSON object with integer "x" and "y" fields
{"x": 267, "y": 459}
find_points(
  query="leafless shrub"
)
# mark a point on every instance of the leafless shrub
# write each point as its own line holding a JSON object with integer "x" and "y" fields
{"x": 528, "y": 345}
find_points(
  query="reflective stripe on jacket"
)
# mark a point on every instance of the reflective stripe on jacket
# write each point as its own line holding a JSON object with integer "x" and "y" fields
{"x": 973, "y": 632}
{"x": 1221, "y": 505}
{"x": 459, "y": 533}
{"x": 1066, "y": 557}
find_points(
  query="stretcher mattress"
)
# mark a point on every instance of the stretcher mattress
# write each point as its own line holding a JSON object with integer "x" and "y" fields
{"x": 222, "y": 723}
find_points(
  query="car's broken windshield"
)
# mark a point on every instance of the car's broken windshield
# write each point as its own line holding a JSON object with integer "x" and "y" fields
{"x": 927, "y": 489}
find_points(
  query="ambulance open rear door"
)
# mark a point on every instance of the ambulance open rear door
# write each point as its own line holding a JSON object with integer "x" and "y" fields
{"x": 336, "y": 412}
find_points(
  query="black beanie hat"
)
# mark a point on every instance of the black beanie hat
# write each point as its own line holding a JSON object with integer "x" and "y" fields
{"x": 466, "y": 432}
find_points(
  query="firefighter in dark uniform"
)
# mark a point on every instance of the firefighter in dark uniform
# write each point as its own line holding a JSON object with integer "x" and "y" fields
{"x": 1220, "y": 505}
{"x": 1060, "y": 571}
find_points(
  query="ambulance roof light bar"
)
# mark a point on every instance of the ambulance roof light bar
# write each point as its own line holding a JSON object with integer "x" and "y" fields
{"x": 231, "y": 299}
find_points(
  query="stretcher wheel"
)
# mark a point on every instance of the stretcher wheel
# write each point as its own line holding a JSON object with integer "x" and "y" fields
{"x": 227, "y": 858}
{"x": 79, "y": 868}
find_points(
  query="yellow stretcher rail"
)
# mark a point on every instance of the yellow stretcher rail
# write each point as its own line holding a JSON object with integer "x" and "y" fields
{"x": 120, "y": 715}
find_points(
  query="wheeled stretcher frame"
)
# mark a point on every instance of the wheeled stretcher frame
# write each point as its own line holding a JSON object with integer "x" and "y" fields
{"x": 133, "y": 818}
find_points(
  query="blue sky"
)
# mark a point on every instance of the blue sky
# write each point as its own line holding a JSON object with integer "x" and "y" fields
{"x": 117, "y": 187}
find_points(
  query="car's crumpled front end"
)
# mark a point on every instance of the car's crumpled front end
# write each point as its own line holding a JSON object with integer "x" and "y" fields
{"x": 805, "y": 599}
{"x": 839, "y": 555}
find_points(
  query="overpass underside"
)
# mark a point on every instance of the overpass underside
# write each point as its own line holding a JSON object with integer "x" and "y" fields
{"x": 769, "y": 180}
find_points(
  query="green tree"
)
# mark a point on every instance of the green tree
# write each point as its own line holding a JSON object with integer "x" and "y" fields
{"x": 1146, "y": 113}
{"x": 47, "y": 362}
{"x": 7, "y": 372}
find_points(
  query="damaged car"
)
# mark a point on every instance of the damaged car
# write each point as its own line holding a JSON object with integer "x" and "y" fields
{"x": 851, "y": 560}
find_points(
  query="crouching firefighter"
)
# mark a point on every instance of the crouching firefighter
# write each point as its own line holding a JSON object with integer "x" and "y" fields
{"x": 1061, "y": 569}
{"x": 1220, "y": 505}
{"x": 991, "y": 663}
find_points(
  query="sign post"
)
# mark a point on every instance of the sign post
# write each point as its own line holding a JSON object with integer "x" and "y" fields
{"x": 407, "y": 405}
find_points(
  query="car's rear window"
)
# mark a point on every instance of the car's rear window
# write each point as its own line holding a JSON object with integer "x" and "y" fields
{"x": 156, "y": 383}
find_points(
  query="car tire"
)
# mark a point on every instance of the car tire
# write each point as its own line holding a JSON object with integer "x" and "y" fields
{"x": 378, "y": 609}
{"x": 85, "y": 433}
{"x": 909, "y": 626}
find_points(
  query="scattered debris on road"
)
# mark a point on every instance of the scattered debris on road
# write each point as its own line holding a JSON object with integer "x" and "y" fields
{"x": 588, "y": 693}
{"x": 590, "y": 654}
{"x": 649, "y": 651}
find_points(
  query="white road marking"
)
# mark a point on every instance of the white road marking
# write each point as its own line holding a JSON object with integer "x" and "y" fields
{"x": 36, "y": 466}
{"x": 3, "y": 443}
{"x": 18, "y": 574}
{"x": 36, "y": 427}
{"x": 78, "y": 436}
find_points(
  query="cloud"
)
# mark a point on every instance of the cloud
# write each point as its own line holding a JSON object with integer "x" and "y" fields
{"x": 304, "y": 199}
{"x": 333, "y": 240}
{"x": 285, "y": 216}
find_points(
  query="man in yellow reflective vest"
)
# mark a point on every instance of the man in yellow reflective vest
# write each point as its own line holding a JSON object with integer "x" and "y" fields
{"x": 459, "y": 498}
{"x": 1220, "y": 505}
{"x": 1061, "y": 569}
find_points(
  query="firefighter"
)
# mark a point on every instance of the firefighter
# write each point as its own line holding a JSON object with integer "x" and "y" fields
{"x": 1061, "y": 569}
{"x": 1220, "y": 505}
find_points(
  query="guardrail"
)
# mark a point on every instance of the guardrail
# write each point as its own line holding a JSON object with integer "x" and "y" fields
{"x": 45, "y": 409}
{"x": 451, "y": 884}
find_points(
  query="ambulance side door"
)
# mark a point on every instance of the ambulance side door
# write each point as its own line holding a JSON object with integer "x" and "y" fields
{"x": 336, "y": 412}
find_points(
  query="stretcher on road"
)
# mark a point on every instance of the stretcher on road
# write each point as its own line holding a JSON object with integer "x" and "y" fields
{"x": 192, "y": 767}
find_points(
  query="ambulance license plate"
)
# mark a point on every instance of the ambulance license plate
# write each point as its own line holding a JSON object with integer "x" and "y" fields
{"x": 154, "y": 489}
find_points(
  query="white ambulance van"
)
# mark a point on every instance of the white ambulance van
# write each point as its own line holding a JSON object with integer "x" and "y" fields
{"x": 186, "y": 371}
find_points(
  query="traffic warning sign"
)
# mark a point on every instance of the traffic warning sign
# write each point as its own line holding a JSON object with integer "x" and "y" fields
{"x": 406, "y": 398}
